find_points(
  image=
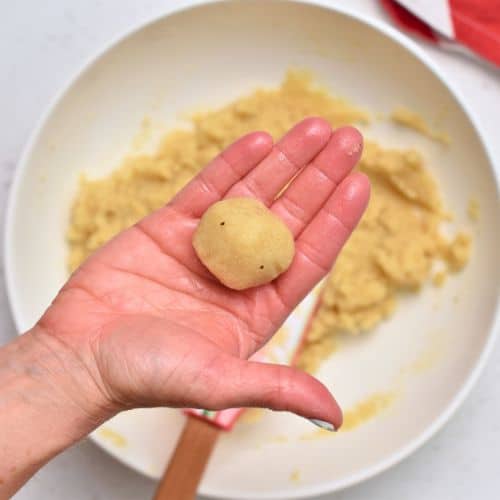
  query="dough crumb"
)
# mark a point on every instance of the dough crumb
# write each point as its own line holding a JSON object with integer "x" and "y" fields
{"x": 280, "y": 439}
{"x": 366, "y": 410}
{"x": 411, "y": 119}
{"x": 457, "y": 253}
{"x": 362, "y": 412}
{"x": 112, "y": 437}
{"x": 252, "y": 416}
{"x": 473, "y": 209}
{"x": 295, "y": 476}
{"x": 439, "y": 278}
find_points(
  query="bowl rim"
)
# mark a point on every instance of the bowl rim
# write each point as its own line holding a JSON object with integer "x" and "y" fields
{"x": 384, "y": 29}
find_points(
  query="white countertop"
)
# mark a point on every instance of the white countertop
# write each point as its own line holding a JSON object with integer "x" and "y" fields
{"x": 42, "y": 44}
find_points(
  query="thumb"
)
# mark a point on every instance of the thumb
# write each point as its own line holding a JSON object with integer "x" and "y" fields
{"x": 278, "y": 387}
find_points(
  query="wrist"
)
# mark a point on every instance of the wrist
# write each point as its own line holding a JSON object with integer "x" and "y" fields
{"x": 48, "y": 402}
{"x": 62, "y": 378}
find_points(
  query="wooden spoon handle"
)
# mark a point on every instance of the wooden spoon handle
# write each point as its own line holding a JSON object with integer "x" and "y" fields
{"x": 185, "y": 470}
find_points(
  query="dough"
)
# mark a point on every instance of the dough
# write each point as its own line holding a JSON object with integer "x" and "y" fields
{"x": 243, "y": 243}
{"x": 392, "y": 251}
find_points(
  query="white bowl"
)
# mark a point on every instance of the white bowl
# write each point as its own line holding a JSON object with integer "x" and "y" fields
{"x": 205, "y": 56}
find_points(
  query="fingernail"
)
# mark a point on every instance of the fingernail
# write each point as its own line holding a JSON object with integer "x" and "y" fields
{"x": 327, "y": 426}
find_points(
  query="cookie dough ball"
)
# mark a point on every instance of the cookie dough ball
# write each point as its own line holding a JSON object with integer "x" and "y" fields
{"x": 242, "y": 243}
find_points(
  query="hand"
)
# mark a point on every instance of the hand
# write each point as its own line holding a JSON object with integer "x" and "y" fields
{"x": 152, "y": 327}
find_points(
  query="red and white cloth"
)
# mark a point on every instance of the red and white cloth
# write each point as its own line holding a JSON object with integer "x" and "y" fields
{"x": 470, "y": 26}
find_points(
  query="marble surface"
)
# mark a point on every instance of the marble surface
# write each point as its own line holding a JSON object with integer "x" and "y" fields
{"x": 41, "y": 45}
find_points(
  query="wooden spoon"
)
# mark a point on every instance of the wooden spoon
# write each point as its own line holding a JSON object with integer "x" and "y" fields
{"x": 186, "y": 467}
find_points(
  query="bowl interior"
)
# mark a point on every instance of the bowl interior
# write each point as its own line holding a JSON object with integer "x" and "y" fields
{"x": 207, "y": 56}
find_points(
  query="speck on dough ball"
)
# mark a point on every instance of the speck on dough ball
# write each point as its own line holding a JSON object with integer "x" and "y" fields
{"x": 242, "y": 243}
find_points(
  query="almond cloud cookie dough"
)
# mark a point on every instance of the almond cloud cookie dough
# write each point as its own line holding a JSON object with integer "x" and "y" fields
{"x": 242, "y": 243}
{"x": 393, "y": 250}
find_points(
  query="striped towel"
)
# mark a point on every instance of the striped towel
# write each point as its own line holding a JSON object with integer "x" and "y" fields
{"x": 468, "y": 26}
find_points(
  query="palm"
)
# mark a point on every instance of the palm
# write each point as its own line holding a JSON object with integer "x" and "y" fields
{"x": 148, "y": 309}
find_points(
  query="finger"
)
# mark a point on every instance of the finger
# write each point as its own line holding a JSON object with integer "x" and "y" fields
{"x": 295, "y": 150}
{"x": 213, "y": 182}
{"x": 321, "y": 241}
{"x": 313, "y": 186}
{"x": 278, "y": 387}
